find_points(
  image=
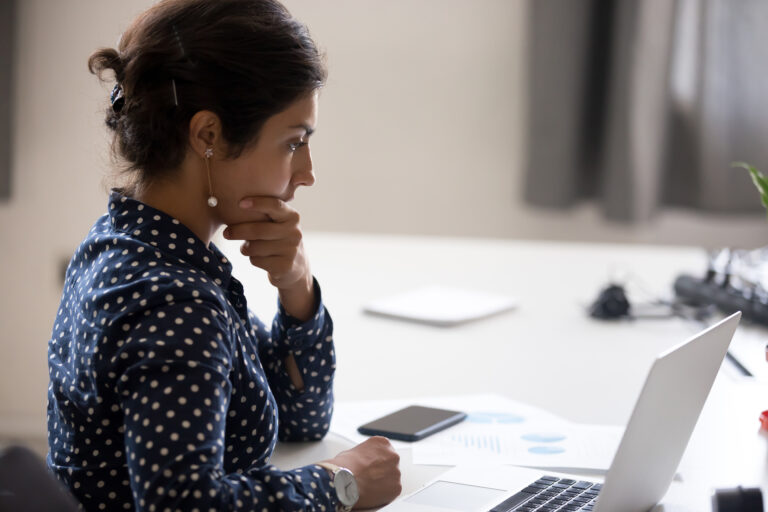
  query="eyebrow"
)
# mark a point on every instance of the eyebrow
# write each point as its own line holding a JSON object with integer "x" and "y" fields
{"x": 309, "y": 131}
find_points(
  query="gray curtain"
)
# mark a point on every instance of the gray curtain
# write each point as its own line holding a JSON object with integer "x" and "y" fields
{"x": 639, "y": 104}
{"x": 7, "y": 19}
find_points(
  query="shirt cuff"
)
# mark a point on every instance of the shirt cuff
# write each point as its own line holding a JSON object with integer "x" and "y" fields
{"x": 298, "y": 335}
{"x": 327, "y": 483}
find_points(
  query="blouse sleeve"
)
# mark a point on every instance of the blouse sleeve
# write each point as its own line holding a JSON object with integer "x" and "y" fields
{"x": 303, "y": 416}
{"x": 173, "y": 390}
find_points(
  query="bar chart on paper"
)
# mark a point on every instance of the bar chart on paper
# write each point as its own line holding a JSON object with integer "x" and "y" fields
{"x": 564, "y": 445}
{"x": 485, "y": 441}
{"x": 482, "y": 442}
{"x": 497, "y": 430}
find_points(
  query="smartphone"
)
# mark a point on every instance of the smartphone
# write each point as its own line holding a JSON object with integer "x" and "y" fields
{"x": 412, "y": 423}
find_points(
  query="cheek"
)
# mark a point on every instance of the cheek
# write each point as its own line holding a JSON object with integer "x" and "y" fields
{"x": 259, "y": 176}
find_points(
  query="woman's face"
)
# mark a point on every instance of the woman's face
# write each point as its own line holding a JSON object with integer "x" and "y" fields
{"x": 276, "y": 166}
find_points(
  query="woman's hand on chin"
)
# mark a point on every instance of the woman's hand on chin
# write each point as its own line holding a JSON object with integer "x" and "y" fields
{"x": 274, "y": 244}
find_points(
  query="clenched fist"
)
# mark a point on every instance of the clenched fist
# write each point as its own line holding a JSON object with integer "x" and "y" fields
{"x": 375, "y": 464}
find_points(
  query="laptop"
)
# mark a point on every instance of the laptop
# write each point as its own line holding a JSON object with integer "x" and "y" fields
{"x": 653, "y": 443}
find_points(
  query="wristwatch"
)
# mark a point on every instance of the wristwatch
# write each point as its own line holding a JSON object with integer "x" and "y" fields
{"x": 345, "y": 484}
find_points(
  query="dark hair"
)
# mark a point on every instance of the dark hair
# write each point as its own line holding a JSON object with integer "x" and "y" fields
{"x": 244, "y": 60}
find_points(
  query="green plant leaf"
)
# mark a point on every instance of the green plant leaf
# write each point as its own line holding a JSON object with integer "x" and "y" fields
{"x": 760, "y": 181}
{"x": 758, "y": 178}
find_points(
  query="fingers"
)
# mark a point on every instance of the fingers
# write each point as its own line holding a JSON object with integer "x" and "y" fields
{"x": 263, "y": 231}
{"x": 382, "y": 443}
{"x": 273, "y": 242}
{"x": 269, "y": 248}
{"x": 379, "y": 477}
{"x": 276, "y": 266}
{"x": 276, "y": 209}
{"x": 275, "y": 221}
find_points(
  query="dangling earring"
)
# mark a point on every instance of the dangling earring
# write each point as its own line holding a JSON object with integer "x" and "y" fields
{"x": 212, "y": 201}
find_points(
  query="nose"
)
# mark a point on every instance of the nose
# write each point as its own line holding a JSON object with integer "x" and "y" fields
{"x": 305, "y": 174}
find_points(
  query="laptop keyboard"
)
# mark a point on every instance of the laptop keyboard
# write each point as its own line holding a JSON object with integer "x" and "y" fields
{"x": 552, "y": 494}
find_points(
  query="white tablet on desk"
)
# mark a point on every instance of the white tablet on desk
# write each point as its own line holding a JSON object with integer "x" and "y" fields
{"x": 441, "y": 306}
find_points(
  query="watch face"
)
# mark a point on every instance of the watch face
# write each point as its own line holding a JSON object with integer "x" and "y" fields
{"x": 346, "y": 487}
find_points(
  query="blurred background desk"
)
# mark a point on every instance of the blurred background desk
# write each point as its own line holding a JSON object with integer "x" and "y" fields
{"x": 548, "y": 352}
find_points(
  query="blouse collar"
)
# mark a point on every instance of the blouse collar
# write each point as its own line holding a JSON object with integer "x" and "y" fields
{"x": 168, "y": 235}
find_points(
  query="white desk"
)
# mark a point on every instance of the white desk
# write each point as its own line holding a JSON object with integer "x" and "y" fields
{"x": 547, "y": 353}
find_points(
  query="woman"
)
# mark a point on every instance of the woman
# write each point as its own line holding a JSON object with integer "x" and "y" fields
{"x": 165, "y": 392}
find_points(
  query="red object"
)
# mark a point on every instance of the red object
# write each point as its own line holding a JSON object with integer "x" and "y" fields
{"x": 764, "y": 421}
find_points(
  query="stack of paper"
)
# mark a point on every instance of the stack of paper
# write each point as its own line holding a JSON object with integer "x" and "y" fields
{"x": 497, "y": 431}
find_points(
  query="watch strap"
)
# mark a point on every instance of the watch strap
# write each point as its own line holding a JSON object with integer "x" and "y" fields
{"x": 333, "y": 469}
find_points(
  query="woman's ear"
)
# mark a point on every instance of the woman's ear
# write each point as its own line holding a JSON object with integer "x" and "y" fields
{"x": 204, "y": 132}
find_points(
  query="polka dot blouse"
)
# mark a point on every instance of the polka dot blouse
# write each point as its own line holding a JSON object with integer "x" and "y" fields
{"x": 165, "y": 392}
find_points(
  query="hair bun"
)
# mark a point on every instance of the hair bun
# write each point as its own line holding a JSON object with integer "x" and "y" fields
{"x": 106, "y": 59}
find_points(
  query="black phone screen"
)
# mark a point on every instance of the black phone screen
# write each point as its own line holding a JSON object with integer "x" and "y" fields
{"x": 412, "y": 423}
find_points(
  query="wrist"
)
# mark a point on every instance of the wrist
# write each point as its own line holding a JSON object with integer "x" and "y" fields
{"x": 298, "y": 300}
{"x": 345, "y": 485}
{"x": 302, "y": 285}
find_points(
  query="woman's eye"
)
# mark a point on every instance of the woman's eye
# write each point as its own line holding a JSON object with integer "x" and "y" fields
{"x": 293, "y": 146}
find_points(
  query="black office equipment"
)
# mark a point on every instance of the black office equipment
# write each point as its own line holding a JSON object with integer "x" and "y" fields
{"x": 737, "y": 500}
{"x": 727, "y": 298}
{"x": 610, "y": 303}
{"x": 735, "y": 280}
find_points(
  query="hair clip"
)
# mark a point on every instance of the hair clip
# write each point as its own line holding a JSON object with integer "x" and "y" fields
{"x": 116, "y": 98}
{"x": 175, "y": 95}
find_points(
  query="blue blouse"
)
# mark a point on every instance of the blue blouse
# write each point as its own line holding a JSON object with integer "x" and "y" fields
{"x": 165, "y": 392}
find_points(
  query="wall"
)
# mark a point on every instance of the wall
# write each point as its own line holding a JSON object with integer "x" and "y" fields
{"x": 421, "y": 131}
